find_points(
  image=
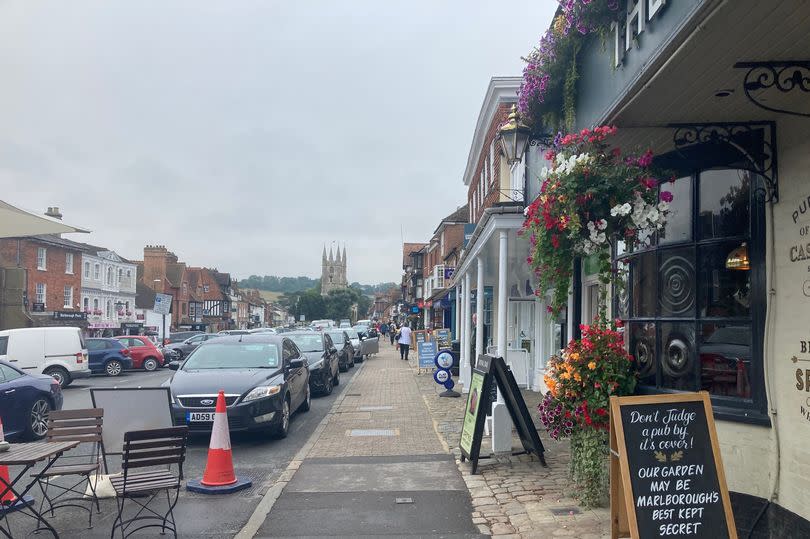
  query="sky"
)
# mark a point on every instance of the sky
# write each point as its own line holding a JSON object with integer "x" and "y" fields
{"x": 246, "y": 135}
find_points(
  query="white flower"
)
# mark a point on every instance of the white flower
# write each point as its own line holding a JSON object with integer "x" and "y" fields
{"x": 621, "y": 209}
{"x": 601, "y": 224}
{"x": 544, "y": 172}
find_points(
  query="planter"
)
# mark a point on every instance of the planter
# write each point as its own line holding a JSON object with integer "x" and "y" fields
{"x": 590, "y": 458}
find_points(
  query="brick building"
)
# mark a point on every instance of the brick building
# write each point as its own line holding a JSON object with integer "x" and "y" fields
{"x": 49, "y": 281}
{"x": 165, "y": 274}
{"x": 441, "y": 254}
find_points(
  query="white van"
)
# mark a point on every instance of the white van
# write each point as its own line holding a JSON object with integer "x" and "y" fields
{"x": 58, "y": 351}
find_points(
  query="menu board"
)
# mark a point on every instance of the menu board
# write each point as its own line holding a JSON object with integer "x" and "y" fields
{"x": 426, "y": 352}
{"x": 443, "y": 338}
{"x": 667, "y": 477}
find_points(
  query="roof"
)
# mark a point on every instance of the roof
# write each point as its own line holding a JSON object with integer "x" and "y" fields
{"x": 174, "y": 273}
{"x": 461, "y": 215}
{"x": 408, "y": 249}
{"x": 53, "y": 239}
{"x": 144, "y": 296}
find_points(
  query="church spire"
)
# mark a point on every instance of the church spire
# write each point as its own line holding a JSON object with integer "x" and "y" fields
{"x": 324, "y": 253}
{"x": 331, "y": 258}
{"x": 344, "y": 254}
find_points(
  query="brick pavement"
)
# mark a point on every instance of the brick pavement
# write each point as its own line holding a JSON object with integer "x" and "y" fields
{"x": 513, "y": 496}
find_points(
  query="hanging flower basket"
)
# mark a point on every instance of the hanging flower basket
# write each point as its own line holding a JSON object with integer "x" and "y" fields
{"x": 592, "y": 195}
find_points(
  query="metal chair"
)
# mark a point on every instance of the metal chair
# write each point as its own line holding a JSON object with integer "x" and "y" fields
{"x": 74, "y": 425}
{"x": 155, "y": 448}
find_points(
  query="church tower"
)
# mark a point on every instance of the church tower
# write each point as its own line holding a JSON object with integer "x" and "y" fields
{"x": 333, "y": 271}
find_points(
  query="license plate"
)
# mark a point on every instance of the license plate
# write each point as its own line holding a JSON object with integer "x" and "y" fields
{"x": 200, "y": 416}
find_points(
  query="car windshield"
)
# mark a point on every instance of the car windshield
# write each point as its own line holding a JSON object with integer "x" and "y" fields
{"x": 337, "y": 337}
{"x": 352, "y": 334}
{"x": 360, "y": 329}
{"x": 233, "y": 356}
{"x": 308, "y": 343}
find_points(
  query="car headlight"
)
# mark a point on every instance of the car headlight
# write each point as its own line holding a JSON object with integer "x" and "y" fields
{"x": 261, "y": 392}
{"x": 317, "y": 365}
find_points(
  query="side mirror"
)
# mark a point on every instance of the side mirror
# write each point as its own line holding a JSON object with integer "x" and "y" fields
{"x": 296, "y": 363}
{"x": 174, "y": 365}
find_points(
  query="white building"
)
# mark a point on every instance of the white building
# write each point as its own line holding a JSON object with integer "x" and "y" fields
{"x": 108, "y": 290}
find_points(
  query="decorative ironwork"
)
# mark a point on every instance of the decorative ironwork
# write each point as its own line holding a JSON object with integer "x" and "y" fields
{"x": 546, "y": 141}
{"x": 761, "y": 159}
{"x": 515, "y": 195}
{"x": 784, "y": 76}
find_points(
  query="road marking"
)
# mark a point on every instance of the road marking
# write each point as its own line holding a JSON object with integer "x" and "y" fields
{"x": 271, "y": 496}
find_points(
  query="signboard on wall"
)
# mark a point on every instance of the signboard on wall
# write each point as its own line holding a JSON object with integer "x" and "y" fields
{"x": 69, "y": 315}
{"x": 666, "y": 474}
{"x": 163, "y": 304}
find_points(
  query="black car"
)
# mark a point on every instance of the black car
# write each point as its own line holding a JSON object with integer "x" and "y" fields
{"x": 344, "y": 347}
{"x": 26, "y": 401}
{"x": 179, "y": 350}
{"x": 322, "y": 356}
{"x": 265, "y": 379}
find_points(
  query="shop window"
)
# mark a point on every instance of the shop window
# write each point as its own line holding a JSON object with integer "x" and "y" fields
{"x": 694, "y": 321}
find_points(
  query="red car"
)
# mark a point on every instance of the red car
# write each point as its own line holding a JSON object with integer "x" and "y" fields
{"x": 145, "y": 355}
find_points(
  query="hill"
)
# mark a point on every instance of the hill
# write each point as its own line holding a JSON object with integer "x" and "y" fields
{"x": 289, "y": 285}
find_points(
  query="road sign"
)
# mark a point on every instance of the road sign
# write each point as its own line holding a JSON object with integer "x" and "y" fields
{"x": 163, "y": 304}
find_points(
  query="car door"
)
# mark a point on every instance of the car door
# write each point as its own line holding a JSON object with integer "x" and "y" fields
{"x": 191, "y": 344}
{"x": 295, "y": 376}
{"x": 96, "y": 350}
{"x": 18, "y": 395}
{"x": 331, "y": 354}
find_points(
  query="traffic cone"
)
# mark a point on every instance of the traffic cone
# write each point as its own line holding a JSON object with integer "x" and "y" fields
{"x": 219, "y": 476}
{"x": 8, "y": 497}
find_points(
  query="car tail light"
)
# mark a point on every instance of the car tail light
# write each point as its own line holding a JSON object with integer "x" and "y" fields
{"x": 125, "y": 351}
{"x": 80, "y": 357}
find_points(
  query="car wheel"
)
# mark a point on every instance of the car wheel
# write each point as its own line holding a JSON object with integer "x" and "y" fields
{"x": 307, "y": 404}
{"x": 351, "y": 365}
{"x": 38, "y": 419}
{"x": 283, "y": 426}
{"x": 327, "y": 388}
{"x": 150, "y": 364}
{"x": 342, "y": 368}
{"x": 59, "y": 374}
{"x": 178, "y": 355}
{"x": 113, "y": 367}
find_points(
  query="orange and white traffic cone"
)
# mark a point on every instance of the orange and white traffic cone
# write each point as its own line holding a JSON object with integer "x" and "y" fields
{"x": 219, "y": 476}
{"x": 8, "y": 497}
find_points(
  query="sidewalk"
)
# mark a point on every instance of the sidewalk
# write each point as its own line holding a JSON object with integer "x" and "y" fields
{"x": 514, "y": 496}
{"x": 376, "y": 467}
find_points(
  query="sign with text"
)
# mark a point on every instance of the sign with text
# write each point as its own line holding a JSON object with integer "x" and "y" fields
{"x": 472, "y": 428}
{"x": 666, "y": 474}
{"x": 69, "y": 315}
{"x": 443, "y": 338}
{"x": 425, "y": 351}
{"x": 163, "y": 304}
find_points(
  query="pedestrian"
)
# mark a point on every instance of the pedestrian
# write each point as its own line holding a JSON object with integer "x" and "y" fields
{"x": 393, "y": 333}
{"x": 404, "y": 341}
{"x": 384, "y": 330}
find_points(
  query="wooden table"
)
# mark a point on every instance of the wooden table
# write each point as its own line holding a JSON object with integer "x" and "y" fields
{"x": 27, "y": 456}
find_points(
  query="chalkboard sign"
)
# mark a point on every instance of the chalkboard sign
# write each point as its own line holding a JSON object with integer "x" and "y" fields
{"x": 521, "y": 418}
{"x": 472, "y": 429}
{"x": 666, "y": 474}
{"x": 442, "y": 337}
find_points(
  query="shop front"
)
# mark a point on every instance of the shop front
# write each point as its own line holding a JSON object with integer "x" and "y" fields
{"x": 717, "y": 300}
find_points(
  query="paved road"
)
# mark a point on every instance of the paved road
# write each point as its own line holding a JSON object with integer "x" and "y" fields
{"x": 257, "y": 456}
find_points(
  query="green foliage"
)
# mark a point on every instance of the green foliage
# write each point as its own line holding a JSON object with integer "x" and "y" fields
{"x": 274, "y": 283}
{"x": 589, "y": 466}
{"x": 334, "y": 306}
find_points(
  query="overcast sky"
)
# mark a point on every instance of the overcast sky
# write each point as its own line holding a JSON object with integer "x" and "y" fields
{"x": 244, "y": 135}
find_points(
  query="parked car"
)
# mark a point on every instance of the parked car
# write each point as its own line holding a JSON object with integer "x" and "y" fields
{"x": 26, "y": 401}
{"x": 181, "y": 349}
{"x": 355, "y": 338}
{"x": 322, "y": 358}
{"x": 344, "y": 347}
{"x": 345, "y": 323}
{"x": 263, "y": 330}
{"x": 59, "y": 352}
{"x": 143, "y": 352}
{"x": 180, "y": 336}
{"x": 320, "y": 325}
{"x": 108, "y": 356}
{"x": 265, "y": 379}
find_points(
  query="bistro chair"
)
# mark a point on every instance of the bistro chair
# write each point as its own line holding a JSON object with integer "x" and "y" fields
{"x": 67, "y": 426}
{"x": 157, "y": 449}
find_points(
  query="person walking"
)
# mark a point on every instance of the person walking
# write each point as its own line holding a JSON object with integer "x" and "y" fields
{"x": 384, "y": 330}
{"x": 393, "y": 333}
{"x": 404, "y": 341}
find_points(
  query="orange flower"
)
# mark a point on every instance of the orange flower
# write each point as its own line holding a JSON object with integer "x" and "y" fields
{"x": 577, "y": 377}
{"x": 592, "y": 365}
{"x": 575, "y": 356}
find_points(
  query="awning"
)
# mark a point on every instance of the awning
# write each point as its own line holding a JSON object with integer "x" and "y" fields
{"x": 16, "y": 222}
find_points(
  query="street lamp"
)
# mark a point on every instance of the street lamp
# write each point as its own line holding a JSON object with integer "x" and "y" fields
{"x": 514, "y": 137}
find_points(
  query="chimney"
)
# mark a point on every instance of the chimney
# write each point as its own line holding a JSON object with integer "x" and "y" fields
{"x": 53, "y": 211}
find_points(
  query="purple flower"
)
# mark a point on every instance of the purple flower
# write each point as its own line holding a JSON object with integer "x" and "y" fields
{"x": 666, "y": 196}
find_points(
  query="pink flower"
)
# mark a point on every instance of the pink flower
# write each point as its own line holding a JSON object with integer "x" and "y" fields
{"x": 646, "y": 159}
{"x": 666, "y": 196}
{"x": 649, "y": 183}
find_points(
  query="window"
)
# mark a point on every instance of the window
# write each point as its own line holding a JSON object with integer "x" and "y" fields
{"x": 109, "y": 308}
{"x": 7, "y": 373}
{"x": 205, "y": 288}
{"x": 95, "y": 304}
{"x": 692, "y": 323}
{"x": 42, "y": 253}
{"x": 120, "y": 275}
{"x": 97, "y": 272}
{"x": 109, "y": 276}
{"x": 87, "y": 270}
{"x": 129, "y": 274}
{"x": 183, "y": 308}
{"x": 3, "y": 346}
{"x": 68, "y": 297}
{"x": 69, "y": 263}
{"x": 40, "y": 293}
{"x": 126, "y": 305}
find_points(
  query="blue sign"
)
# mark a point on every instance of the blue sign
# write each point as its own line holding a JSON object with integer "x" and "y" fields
{"x": 441, "y": 376}
{"x": 415, "y": 309}
{"x": 444, "y": 359}
{"x": 469, "y": 228}
{"x": 426, "y": 352}
{"x": 449, "y": 384}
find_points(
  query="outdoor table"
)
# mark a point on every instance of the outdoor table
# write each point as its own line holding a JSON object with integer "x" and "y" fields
{"x": 28, "y": 455}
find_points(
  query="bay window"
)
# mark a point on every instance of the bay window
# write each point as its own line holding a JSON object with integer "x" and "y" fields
{"x": 693, "y": 297}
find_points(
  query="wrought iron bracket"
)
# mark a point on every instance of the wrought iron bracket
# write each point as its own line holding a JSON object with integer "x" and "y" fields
{"x": 785, "y": 76}
{"x": 762, "y": 162}
{"x": 545, "y": 141}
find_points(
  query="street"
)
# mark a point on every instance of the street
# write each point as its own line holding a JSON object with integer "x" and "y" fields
{"x": 256, "y": 456}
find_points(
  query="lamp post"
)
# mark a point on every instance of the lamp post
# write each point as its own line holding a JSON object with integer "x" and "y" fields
{"x": 514, "y": 137}
{"x": 163, "y": 333}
